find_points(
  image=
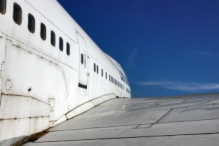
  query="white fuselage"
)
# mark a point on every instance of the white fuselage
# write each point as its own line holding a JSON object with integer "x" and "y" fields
{"x": 49, "y": 73}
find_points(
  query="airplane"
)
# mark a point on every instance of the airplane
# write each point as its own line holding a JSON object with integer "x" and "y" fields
{"x": 59, "y": 88}
{"x": 51, "y": 70}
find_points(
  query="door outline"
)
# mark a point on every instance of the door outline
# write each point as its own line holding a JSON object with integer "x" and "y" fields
{"x": 83, "y": 68}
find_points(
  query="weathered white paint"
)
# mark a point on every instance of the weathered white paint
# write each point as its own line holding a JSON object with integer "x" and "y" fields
{"x": 38, "y": 82}
{"x": 83, "y": 108}
{"x": 26, "y": 107}
{"x": 22, "y": 127}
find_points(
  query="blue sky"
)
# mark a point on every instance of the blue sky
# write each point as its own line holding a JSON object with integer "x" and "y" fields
{"x": 166, "y": 47}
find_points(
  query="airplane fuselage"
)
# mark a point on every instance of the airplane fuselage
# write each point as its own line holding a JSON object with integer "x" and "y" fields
{"x": 50, "y": 69}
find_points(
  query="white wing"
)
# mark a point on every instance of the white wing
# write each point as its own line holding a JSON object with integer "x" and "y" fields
{"x": 169, "y": 121}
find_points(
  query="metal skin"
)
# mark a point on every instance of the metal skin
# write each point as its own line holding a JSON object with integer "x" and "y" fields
{"x": 191, "y": 120}
{"x": 38, "y": 82}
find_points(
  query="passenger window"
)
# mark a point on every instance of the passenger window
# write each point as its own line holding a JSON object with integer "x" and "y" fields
{"x": 97, "y": 69}
{"x": 17, "y": 14}
{"x": 102, "y": 72}
{"x": 68, "y": 49}
{"x": 53, "y": 38}
{"x": 82, "y": 59}
{"x": 43, "y": 31}
{"x": 94, "y": 67}
{"x": 60, "y": 44}
{"x": 31, "y": 23}
{"x": 2, "y": 6}
{"x": 106, "y": 75}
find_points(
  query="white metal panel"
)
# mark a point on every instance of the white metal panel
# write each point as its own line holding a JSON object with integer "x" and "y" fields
{"x": 2, "y": 51}
{"x": 40, "y": 80}
{"x": 184, "y": 140}
{"x": 83, "y": 63}
{"x": 81, "y": 109}
{"x": 22, "y": 107}
{"x": 57, "y": 15}
{"x": 124, "y": 122}
{"x": 22, "y": 127}
{"x": 40, "y": 77}
{"x": 198, "y": 127}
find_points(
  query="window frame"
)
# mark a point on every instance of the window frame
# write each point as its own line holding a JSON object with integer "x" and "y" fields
{"x": 94, "y": 67}
{"x": 53, "y": 38}
{"x": 97, "y": 69}
{"x": 17, "y": 17}
{"x": 82, "y": 58}
{"x": 43, "y": 31}
{"x": 3, "y": 6}
{"x": 61, "y": 44}
{"x": 68, "y": 49}
{"x": 31, "y": 23}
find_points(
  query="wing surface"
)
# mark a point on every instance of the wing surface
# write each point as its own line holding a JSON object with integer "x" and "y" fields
{"x": 191, "y": 120}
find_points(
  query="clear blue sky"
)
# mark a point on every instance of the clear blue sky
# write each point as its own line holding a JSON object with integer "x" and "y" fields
{"x": 166, "y": 47}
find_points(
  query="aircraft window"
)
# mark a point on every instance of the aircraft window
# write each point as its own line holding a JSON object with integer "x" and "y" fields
{"x": 60, "y": 44}
{"x": 43, "y": 31}
{"x": 82, "y": 59}
{"x": 97, "y": 69}
{"x": 94, "y": 67}
{"x": 109, "y": 77}
{"x": 68, "y": 49}
{"x": 2, "y": 6}
{"x": 106, "y": 75}
{"x": 17, "y": 14}
{"x": 53, "y": 38}
{"x": 102, "y": 72}
{"x": 31, "y": 23}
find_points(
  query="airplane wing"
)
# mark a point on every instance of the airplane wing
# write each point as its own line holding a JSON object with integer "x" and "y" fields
{"x": 169, "y": 121}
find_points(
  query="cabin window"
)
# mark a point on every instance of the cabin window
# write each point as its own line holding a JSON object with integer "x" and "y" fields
{"x": 102, "y": 72}
{"x": 97, "y": 69}
{"x": 60, "y": 44}
{"x": 109, "y": 77}
{"x": 2, "y": 6}
{"x": 68, "y": 49}
{"x": 106, "y": 75}
{"x": 94, "y": 67}
{"x": 82, "y": 59}
{"x": 43, "y": 31}
{"x": 53, "y": 38}
{"x": 31, "y": 23}
{"x": 17, "y": 14}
